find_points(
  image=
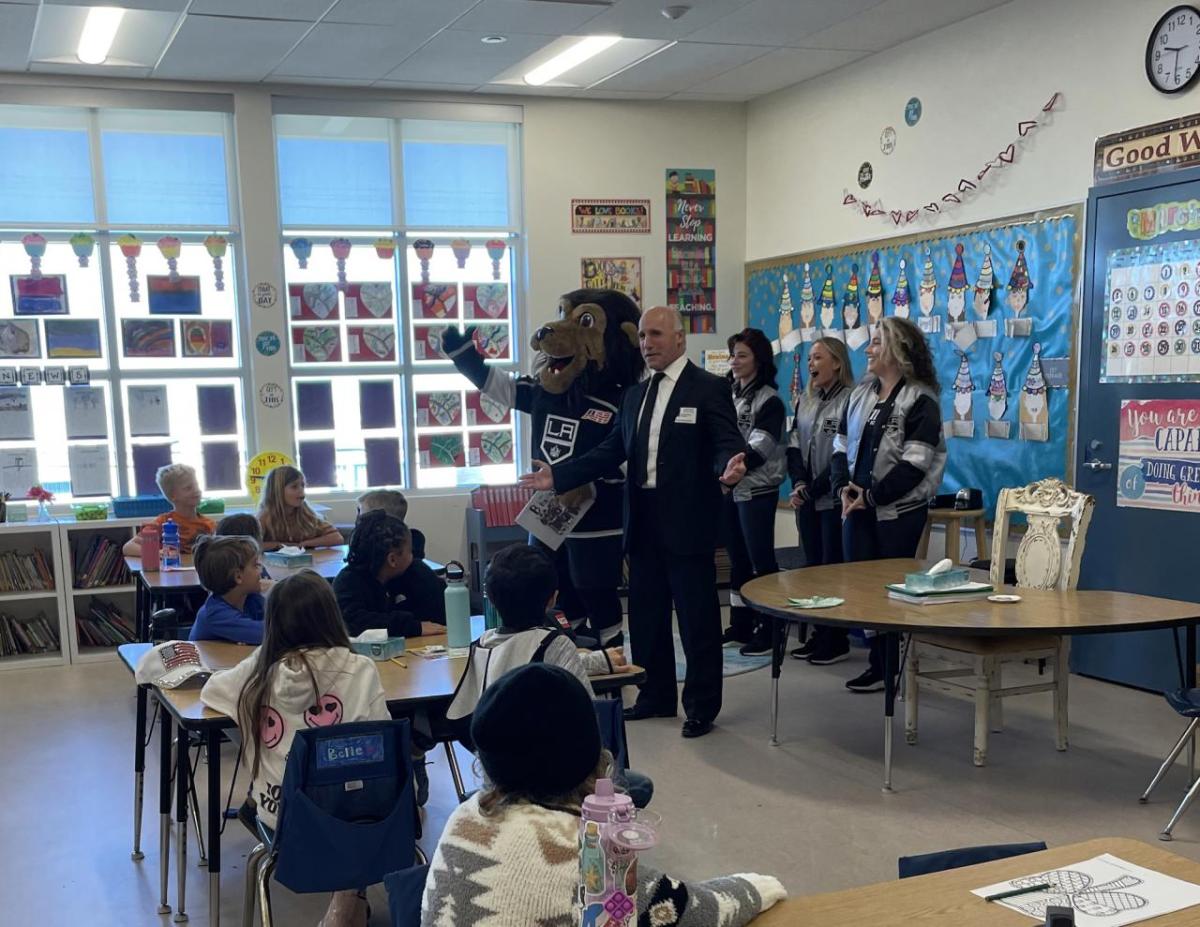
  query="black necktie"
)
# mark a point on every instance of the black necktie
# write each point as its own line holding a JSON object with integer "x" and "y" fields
{"x": 643, "y": 432}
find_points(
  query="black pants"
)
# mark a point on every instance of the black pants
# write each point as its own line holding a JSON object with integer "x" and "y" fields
{"x": 589, "y": 574}
{"x": 821, "y": 537}
{"x": 749, "y": 532}
{"x": 658, "y": 579}
{"x": 867, "y": 538}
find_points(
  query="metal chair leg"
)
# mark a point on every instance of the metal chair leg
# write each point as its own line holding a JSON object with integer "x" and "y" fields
{"x": 265, "y": 870}
{"x": 1181, "y": 810}
{"x": 249, "y": 893}
{"x": 455, "y": 772}
{"x": 1188, "y": 733}
{"x": 202, "y": 862}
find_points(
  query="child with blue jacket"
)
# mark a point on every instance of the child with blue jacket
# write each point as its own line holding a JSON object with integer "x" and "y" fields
{"x": 229, "y": 569}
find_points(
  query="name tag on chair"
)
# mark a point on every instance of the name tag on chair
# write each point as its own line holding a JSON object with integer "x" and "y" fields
{"x": 686, "y": 416}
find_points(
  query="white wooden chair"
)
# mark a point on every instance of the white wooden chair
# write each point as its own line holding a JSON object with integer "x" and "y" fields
{"x": 975, "y": 662}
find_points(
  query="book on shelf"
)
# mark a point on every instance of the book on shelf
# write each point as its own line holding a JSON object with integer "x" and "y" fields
{"x": 25, "y": 572}
{"x": 27, "y": 635}
{"x": 100, "y": 563}
{"x": 104, "y": 625}
{"x": 965, "y": 593}
{"x": 500, "y": 504}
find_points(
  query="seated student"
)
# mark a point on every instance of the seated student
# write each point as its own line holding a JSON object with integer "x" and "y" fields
{"x": 286, "y": 518}
{"x": 393, "y": 502}
{"x": 539, "y": 745}
{"x": 228, "y": 568}
{"x": 243, "y": 524}
{"x": 178, "y": 484}
{"x": 304, "y": 660}
{"x": 380, "y": 554}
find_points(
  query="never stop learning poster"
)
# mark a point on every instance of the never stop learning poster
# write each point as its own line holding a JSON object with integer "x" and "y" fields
{"x": 1160, "y": 455}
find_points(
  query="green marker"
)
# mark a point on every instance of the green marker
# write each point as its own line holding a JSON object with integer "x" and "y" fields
{"x": 1043, "y": 887}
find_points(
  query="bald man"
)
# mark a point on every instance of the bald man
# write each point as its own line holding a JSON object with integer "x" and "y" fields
{"x": 678, "y": 433}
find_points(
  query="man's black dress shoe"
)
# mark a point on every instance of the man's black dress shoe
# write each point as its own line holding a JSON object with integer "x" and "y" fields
{"x": 638, "y": 712}
{"x": 693, "y": 727}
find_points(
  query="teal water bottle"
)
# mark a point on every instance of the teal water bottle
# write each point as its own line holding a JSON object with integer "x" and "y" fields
{"x": 458, "y": 606}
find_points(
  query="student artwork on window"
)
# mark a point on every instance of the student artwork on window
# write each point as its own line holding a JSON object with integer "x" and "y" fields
{"x": 427, "y": 342}
{"x": 41, "y": 295}
{"x": 442, "y": 409}
{"x": 35, "y": 247}
{"x": 217, "y": 406}
{"x": 19, "y": 339}
{"x": 16, "y": 415}
{"x": 435, "y": 300}
{"x": 492, "y": 341}
{"x": 441, "y": 451}
{"x": 316, "y": 344}
{"x": 18, "y": 470}
{"x": 206, "y": 339}
{"x": 168, "y": 247}
{"x": 222, "y": 465}
{"x": 85, "y": 413}
{"x": 318, "y": 460}
{"x": 131, "y": 248}
{"x": 147, "y": 458}
{"x": 72, "y": 338}
{"x": 369, "y": 301}
{"x": 314, "y": 405}
{"x": 146, "y": 407}
{"x": 90, "y": 470}
{"x": 483, "y": 410}
{"x": 148, "y": 337}
{"x": 377, "y": 403}
{"x": 485, "y": 300}
{"x": 383, "y": 461}
{"x": 488, "y": 448}
{"x": 173, "y": 296}
{"x": 371, "y": 343}
{"x": 311, "y": 302}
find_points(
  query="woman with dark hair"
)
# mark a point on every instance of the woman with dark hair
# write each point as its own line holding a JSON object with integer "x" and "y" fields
{"x": 750, "y": 507}
{"x": 888, "y": 458}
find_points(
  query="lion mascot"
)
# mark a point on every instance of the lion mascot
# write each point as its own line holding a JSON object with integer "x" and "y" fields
{"x": 585, "y": 360}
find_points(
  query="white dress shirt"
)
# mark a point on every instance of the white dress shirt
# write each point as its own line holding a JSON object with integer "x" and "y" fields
{"x": 665, "y": 387}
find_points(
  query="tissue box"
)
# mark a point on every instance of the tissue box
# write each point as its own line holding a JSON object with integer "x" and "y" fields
{"x": 291, "y": 561}
{"x": 379, "y": 650}
{"x": 939, "y": 582}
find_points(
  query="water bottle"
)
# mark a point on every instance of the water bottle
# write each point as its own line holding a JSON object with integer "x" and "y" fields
{"x": 610, "y": 837}
{"x": 170, "y": 545}
{"x": 458, "y": 606}
{"x": 151, "y": 549}
{"x": 491, "y": 617}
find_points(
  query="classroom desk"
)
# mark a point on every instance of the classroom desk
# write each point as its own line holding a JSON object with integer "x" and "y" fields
{"x": 420, "y": 681}
{"x": 867, "y": 606}
{"x": 944, "y": 899}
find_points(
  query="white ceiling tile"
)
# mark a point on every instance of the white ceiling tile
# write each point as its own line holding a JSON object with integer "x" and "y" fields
{"x": 893, "y": 22}
{"x": 340, "y": 51}
{"x": 643, "y": 19}
{"x": 780, "y": 68}
{"x": 221, "y": 48}
{"x": 307, "y": 10}
{"x": 683, "y": 66}
{"x": 426, "y": 16}
{"x": 531, "y": 17}
{"x": 321, "y": 81}
{"x": 689, "y": 97}
{"x": 16, "y": 34}
{"x": 776, "y": 22}
{"x": 460, "y": 57}
{"x": 162, "y": 6}
{"x": 139, "y": 41}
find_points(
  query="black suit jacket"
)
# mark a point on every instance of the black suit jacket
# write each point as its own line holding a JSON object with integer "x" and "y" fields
{"x": 691, "y": 458}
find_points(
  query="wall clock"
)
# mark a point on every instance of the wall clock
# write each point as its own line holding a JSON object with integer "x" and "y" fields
{"x": 1173, "y": 51}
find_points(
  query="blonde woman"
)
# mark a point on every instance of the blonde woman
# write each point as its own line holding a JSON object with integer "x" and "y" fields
{"x": 888, "y": 458}
{"x": 286, "y": 518}
{"x": 819, "y": 412}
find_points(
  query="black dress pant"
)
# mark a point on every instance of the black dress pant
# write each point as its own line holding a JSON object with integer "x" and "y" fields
{"x": 659, "y": 579}
{"x": 589, "y": 575}
{"x": 749, "y": 533}
{"x": 821, "y": 537}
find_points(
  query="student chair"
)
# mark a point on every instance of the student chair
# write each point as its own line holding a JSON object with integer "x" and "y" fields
{"x": 975, "y": 663}
{"x": 1186, "y": 703}
{"x": 926, "y": 863}
{"x": 347, "y": 815}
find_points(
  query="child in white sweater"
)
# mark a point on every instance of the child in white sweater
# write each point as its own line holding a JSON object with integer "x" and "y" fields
{"x": 509, "y": 855}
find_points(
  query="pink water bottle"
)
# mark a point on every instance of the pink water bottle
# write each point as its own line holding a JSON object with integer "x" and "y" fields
{"x": 151, "y": 548}
{"x": 610, "y": 836}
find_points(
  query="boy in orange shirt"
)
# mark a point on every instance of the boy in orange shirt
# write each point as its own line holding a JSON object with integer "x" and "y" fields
{"x": 178, "y": 483}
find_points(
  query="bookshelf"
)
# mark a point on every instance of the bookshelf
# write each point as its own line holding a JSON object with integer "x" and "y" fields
{"x": 32, "y": 618}
{"x": 99, "y": 596}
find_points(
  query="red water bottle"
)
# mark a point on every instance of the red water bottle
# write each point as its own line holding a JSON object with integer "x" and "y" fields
{"x": 151, "y": 548}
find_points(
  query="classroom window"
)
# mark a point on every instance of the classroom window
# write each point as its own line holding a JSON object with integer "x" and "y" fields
{"x": 376, "y": 403}
{"x": 118, "y": 334}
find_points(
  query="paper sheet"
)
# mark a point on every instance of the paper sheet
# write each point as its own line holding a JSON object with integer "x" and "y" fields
{"x": 148, "y": 411}
{"x": 90, "y": 473}
{"x": 218, "y": 410}
{"x": 549, "y": 520}
{"x": 1105, "y": 891}
{"x": 377, "y": 403}
{"x": 314, "y": 405}
{"x": 16, "y": 415}
{"x": 318, "y": 460}
{"x": 18, "y": 470}
{"x": 222, "y": 465}
{"x": 383, "y": 461}
{"x": 85, "y": 412}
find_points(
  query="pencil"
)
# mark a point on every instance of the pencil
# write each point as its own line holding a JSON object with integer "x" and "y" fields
{"x": 400, "y": 663}
{"x": 1043, "y": 887}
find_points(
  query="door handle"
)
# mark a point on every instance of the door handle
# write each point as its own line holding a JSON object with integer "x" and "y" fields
{"x": 1097, "y": 466}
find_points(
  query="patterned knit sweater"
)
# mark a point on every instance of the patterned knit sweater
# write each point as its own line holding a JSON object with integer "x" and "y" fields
{"x": 519, "y": 867}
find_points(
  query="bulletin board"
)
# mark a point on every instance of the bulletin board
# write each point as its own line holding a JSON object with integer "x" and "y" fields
{"x": 999, "y": 304}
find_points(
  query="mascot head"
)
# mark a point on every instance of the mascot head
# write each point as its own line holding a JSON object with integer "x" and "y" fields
{"x": 593, "y": 342}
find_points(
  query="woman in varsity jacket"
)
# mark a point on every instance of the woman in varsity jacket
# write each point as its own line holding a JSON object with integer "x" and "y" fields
{"x": 750, "y": 507}
{"x": 888, "y": 457}
{"x": 819, "y": 412}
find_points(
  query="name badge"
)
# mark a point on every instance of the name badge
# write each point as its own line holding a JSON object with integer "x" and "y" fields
{"x": 686, "y": 416}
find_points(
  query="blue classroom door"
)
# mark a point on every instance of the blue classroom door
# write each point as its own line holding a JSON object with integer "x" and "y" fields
{"x": 1139, "y": 550}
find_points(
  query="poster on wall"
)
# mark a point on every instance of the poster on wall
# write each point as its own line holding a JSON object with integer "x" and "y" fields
{"x": 623, "y": 274}
{"x": 692, "y": 247}
{"x": 1159, "y": 455}
{"x": 1152, "y": 314}
{"x": 631, "y": 216}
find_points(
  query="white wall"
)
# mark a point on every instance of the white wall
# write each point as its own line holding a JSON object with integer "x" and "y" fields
{"x": 976, "y": 79}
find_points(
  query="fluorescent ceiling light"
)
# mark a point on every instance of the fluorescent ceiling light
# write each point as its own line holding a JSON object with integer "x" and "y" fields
{"x": 98, "y": 33}
{"x": 572, "y": 57}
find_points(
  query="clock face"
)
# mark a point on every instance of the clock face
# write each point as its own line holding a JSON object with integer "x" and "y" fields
{"x": 1173, "y": 52}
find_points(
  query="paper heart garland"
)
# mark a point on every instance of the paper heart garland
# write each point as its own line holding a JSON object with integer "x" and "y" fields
{"x": 1009, "y": 153}
{"x": 1026, "y": 126}
{"x": 965, "y": 185}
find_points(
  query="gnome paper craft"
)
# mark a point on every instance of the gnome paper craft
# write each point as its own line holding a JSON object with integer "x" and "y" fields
{"x": 982, "y": 304}
{"x": 1019, "y": 286}
{"x": 926, "y": 297}
{"x": 808, "y": 307}
{"x": 829, "y": 307}
{"x": 962, "y": 425}
{"x": 789, "y": 337}
{"x": 856, "y": 334}
{"x": 874, "y": 293}
{"x": 958, "y": 329}
{"x": 997, "y": 400}
{"x": 1035, "y": 407}
{"x": 900, "y": 296}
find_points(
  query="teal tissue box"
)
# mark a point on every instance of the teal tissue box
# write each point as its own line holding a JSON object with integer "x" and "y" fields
{"x": 939, "y": 582}
{"x": 291, "y": 561}
{"x": 379, "y": 650}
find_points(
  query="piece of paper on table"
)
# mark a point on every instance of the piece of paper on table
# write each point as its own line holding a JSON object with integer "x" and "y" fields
{"x": 1105, "y": 891}
{"x": 89, "y": 470}
{"x": 548, "y": 519}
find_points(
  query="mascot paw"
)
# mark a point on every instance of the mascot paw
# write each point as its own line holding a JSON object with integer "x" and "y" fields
{"x": 453, "y": 339}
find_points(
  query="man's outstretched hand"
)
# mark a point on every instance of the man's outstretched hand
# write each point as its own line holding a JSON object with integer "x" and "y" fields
{"x": 734, "y": 470}
{"x": 541, "y": 478}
